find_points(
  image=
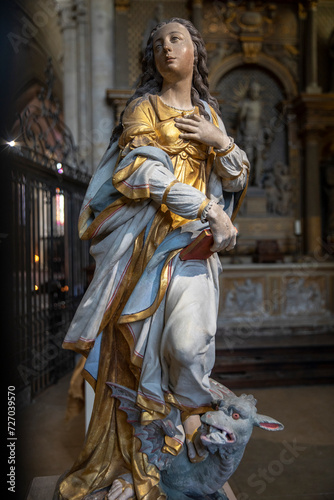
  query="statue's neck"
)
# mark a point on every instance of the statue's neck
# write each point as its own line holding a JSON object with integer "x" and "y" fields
{"x": 177, "y": 94}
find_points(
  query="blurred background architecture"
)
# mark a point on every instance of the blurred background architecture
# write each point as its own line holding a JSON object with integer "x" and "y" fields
{"x": 68, "y": 68}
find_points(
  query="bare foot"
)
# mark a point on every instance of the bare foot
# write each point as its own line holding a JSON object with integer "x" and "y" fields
{"x": 196, "y": 451}
{"x": 120, "y": 490}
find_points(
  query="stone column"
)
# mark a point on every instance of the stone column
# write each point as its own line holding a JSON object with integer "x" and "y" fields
{"x": 197, "y": 14}
{"x": 121, "y": 47}
{"x": 312, "y": 202}
{"x": 68, "y": 27}
{"x": 102, "y": 71}
{"x": 331, "y": 55}
{"x": 311, "y": 55}
{"x": 83, "y": 72}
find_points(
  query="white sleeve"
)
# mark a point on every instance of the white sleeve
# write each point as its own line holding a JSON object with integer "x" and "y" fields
{"x": 164, "y": 188}
{"x": 231, "y": 165}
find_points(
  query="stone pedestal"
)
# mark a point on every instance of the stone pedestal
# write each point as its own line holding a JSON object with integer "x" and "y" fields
{"x": 42, "y": 488}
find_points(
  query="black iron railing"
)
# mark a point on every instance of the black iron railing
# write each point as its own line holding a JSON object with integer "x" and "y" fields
{"x": 49, "y": 276}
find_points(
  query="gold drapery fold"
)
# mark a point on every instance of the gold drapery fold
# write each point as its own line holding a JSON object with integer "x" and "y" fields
{"x": 110, "y": 449}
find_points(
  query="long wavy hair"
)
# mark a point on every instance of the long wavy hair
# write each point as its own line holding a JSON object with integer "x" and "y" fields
{"x": 150, "y": 81}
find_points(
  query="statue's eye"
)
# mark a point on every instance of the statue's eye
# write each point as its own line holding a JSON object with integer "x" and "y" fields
{"x": 235, "y": 415}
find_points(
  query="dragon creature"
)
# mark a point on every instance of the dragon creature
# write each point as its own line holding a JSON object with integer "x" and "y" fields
{"x": 225, "y": 432}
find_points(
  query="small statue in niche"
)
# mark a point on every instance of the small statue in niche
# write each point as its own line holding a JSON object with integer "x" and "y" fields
{"x": 272, "y": 193}
{"x": 251, "y": 131}
{"x": 278, "y": 187}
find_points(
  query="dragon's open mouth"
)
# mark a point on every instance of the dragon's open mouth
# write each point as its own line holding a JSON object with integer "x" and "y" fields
{"x": 213, "y": 435}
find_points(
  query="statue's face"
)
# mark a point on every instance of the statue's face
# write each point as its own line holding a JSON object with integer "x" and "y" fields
{"x": 173, "y": 52}
{"x": 254, "y": 91}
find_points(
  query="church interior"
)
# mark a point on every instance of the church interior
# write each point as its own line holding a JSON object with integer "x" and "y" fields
{"x": 69, "y": 67}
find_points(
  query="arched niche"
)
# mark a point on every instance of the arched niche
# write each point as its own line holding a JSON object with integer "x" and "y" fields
{"x": 262, "y": 61}
{"x": 260, "y": 125}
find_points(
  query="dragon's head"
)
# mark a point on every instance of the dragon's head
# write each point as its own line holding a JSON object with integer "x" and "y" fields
{"x": 230, "y": 424}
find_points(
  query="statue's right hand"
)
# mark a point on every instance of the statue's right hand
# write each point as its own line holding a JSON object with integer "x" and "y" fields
{"x": 223, "y": 231}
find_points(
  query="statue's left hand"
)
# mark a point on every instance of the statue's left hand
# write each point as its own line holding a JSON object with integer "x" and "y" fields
{"x": 223, "y": 231}
{"x": 197, "y": 128}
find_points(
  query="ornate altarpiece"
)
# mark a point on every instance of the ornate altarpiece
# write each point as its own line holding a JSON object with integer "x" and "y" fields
{"x": 272, "y": 104}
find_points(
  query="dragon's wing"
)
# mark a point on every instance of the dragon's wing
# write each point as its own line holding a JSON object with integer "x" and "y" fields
{"x": 218, "y": 391}
{"x": 152, "y": 436}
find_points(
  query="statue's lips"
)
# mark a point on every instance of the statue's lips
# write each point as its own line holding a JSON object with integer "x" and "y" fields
{"x": 213, "y": 435}
{"x": 170, "y": 59}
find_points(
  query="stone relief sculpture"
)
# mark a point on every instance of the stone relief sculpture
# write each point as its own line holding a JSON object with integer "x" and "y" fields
{"x": 303, "y": 297}
{"x": 278, "y": 187}
{"x": 147, "y": 322}
{"x": 246, "y": 297}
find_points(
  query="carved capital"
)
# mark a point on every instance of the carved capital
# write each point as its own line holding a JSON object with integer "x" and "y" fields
{"x": 81, "y": 10}
{"x": 117, "y": 99}
{"x": 67, "y": 14}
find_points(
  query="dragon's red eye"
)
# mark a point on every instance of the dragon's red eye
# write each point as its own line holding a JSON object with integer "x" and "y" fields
{"x": 235, "y": 415}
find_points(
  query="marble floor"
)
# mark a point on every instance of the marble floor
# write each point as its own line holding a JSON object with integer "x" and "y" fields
{"x": 294, "y": 464}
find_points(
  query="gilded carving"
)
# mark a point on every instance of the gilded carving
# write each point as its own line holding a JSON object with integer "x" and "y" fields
{"x": 122, "y": 5}
{"x": 249, "y": 23}
{"x": 312, "y": 4}
{"x": 302, "y": 14}
{"x": 251, "y": 49}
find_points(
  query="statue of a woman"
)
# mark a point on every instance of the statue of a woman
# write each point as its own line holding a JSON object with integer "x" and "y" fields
{"x": 148, "y": 319}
